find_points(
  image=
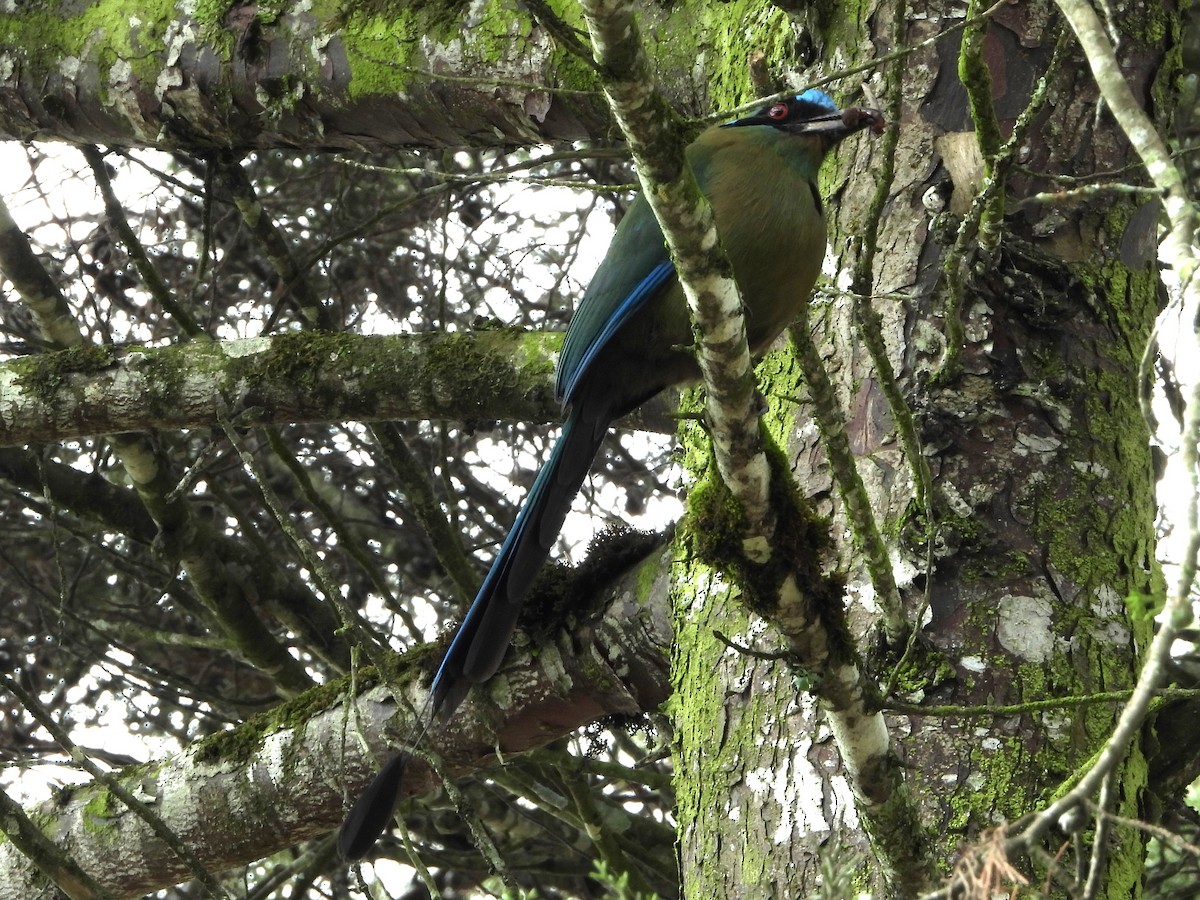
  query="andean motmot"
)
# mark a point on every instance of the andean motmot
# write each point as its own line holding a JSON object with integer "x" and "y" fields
{"x": 630, "y": 339}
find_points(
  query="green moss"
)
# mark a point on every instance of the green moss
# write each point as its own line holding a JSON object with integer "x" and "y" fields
{"x": 99, "y": 810}
{"x": 564, "y": 594}
{"x": 125, "y": 32}
{"x": 45, "y": 374}
{"x": 699, "y": 714}
{"x": 740, "y": 30}
{"x": 1098, "y": 529}
{"x": 479, "y": 365}
{"x": 210, "y": 15}
{"x": 923, "y": 670}
{"x": 995, "y": 784}
{"x": 380, "y": 46}
{"x": 1068, "y": 521}
{"x": 298, "y": 358}
{"x": 239, "y": 745}
{"x": 842, "y": 23}
{"x": 981, "y": 568}
{"x": 386, "y": 42}
{"x": 713, "y": 534}
{"x": 567, "y": 68}
{"x": 1101, "y": 501}
{"x": 648, "y": 575}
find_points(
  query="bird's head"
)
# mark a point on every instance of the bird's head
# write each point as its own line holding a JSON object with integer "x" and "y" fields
{"x": 813, "y": 113}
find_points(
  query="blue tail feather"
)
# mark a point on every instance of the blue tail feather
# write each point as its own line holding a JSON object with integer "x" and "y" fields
{"x": 482, "y": 639}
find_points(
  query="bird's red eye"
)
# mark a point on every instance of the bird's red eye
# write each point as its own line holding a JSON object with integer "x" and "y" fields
{"x": 778, "y": 111}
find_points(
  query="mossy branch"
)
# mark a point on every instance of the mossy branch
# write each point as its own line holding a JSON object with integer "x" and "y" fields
{"x": 976, "y": 78}
{"x": 116, "y": 788}
{"x": 51, "y": 861}
{"x": 958, "y": 261}
{"x": 832, "y": 425}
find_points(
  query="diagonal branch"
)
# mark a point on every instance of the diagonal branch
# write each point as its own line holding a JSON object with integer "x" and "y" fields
{"x": 719, "y": 327}
{"x": 1177, "y": 251}
{"x": 687, "y": 222}
{"x": 279, "y": 779}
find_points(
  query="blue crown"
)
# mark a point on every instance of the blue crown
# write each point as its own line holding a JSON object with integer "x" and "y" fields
{"x": 817, "y": 98}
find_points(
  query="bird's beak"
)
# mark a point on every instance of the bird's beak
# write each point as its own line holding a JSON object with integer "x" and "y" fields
{"x": 832, "y": 126}
{"x": 839, "y": 124}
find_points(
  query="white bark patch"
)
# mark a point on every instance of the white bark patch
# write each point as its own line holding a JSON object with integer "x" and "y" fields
{"x": 903, "y": 572}
{"x": 68, "y": 68}
{"x": 757, "y": 549}
{"x": 1034, "y": 443}
{"x": 275, "y": 751}
{"x": 844, "y": 802}
{"x": 1110, "y": 626}
{"x": 863, "y": 594}
{"x": 537, "y": 105}
{"x": 1091, "y": 468}
{"x": 180, "y": 32}
{"x": 702, "y": 587}
{"x": 246, "y": 347}
{"x": 963, "y": 159}
{"x": 754, "y": 632}
{"x": 1057, "y": 726}
{"x": 795, "y": 791}
{"x": 1025, "y": 627}
{"x": 8, "y": 393}
{"x": 552, "y": 664}
{"x": 123, "y": 93}
{"x": 955, "y": 500}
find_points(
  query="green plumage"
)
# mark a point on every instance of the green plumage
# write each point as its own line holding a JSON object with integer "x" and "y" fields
{"x": 630, "y": 339}
{"x": 761, "y": 184}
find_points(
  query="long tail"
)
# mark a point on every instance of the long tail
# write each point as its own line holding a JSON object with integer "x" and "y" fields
{"x": 483, "y": 637}
{"x": 372, "y": 811}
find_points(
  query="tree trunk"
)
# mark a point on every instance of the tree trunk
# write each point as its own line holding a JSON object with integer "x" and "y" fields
{"x": 982, "y": 331}
{"x": 1019, "y": 364}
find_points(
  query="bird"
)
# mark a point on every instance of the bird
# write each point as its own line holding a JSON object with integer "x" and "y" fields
{"x": 629, "y": 339}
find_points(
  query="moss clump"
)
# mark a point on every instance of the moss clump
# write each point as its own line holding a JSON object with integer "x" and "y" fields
{"x": 563, "y": 594}
{"x": 46, "y": 374}
{"x": 715, "y": 528}
{"x": 240, "y": 744}
{"x": 300, "y": 358}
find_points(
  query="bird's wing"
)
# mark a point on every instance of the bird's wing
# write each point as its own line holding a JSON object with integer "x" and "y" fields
{"x": 635, "y": 269}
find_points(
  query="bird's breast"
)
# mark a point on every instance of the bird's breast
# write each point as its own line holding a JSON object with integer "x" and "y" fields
{"x": 771, "y": 224}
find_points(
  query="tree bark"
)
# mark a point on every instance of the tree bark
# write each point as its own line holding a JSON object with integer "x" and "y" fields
{"x": 281, "y": 778}
{"x": 1021, "y": 372}
{"x": 273, "y": 380}
{"x": 984, "y": 349}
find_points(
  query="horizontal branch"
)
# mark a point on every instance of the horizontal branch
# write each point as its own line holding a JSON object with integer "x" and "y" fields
{"x": 288, "y": 378}
{"x": 235, "y": 76}
{"x": 302, "y": 760}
